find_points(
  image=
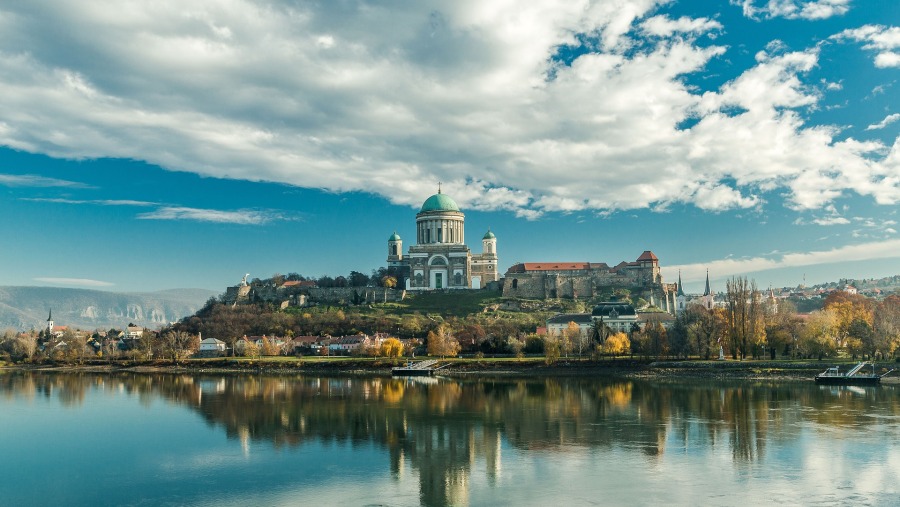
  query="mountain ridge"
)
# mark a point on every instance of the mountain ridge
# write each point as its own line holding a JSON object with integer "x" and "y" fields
{"x": 27, "y": 307}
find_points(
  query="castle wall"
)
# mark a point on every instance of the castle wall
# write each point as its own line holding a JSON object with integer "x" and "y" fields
{"x": 301, "y": 296}
{"x": 572, "y": 284}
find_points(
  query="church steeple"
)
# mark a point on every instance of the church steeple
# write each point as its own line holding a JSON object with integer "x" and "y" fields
{"x": 50, "y": 322}
{"x": 680, "y": 290}
{"x": 707, "y": 292}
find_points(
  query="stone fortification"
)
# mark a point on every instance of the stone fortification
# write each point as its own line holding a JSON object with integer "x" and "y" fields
{"x": 285, "y": 296}
{"x": 545, "y": 280}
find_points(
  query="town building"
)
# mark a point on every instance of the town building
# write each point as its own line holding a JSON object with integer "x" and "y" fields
{"x": 440, "y": 258}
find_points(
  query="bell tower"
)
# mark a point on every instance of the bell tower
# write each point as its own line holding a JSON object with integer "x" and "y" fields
{"x": 395, "y": 250}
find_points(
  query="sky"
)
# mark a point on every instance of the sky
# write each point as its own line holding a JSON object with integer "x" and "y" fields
{"x": 155, "y": 145}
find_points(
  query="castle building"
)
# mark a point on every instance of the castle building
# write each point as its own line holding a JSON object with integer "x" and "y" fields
{"x": 440, "y": 259}
{"x": 544, "y": 280}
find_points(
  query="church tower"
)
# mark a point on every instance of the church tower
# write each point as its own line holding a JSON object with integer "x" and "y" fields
{"x": 707, "y": 294}
{"x": 489, "y": 245}
{"x": 680, "y": 297}
{"x": 50, "y": 323}
{"x": 395, "y": 250}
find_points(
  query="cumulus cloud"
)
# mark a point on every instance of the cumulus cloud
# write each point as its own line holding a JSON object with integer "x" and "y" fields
{"x": 891, "y": 118}
{"x": 793, "y": 9}
{"x": 240, "y": 217}
{"x": 346, "y": 96}
{"x": 663, "y": 26}
{"x": 885, "y": 40}
{"x": 80, "y": 282}
{"x": 889, "y": 249}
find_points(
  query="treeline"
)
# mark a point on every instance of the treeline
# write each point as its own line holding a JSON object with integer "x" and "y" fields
{"x": 378, "y": 278}
{"x": 751, "y": 325}
{"x": 486, "y": 332}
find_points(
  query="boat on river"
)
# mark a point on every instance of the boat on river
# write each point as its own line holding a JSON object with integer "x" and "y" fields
{"x": 854, "y": 376}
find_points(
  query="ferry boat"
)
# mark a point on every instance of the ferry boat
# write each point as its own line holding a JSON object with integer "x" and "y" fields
{"x": 854, "y": 376}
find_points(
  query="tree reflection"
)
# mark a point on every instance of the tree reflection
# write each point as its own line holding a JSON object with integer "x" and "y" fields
{"x": 440, "y": 430}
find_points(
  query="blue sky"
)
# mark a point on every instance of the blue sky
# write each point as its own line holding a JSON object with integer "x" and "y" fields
{"x": 146, "y": 146}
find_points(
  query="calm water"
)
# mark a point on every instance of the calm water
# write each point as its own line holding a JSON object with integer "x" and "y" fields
{"x": 128, "y": 439}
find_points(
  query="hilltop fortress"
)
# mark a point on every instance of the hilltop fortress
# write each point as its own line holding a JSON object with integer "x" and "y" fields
{"x": 441, "y": 260}
{"x": 543, "y": 280}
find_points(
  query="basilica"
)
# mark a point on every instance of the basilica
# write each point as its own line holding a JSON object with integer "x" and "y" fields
{"x": 440, "y": 258}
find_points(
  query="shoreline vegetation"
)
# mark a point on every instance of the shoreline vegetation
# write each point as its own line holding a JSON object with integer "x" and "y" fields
{"x": 465, "y": 367}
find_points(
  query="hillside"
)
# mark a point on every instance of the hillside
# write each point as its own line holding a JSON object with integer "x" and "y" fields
{"x": 24, "y": 308}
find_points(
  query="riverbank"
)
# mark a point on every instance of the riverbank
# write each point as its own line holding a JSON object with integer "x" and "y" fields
{"x": 487, "y": 367}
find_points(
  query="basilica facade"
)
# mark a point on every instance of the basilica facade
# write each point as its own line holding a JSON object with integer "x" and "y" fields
{"x": 440, "y": 258}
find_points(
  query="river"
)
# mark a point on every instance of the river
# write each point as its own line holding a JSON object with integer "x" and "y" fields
{"x": 211, "y": 440}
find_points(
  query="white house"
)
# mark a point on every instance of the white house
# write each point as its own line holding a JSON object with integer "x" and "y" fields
{"x": 211, "y": 347}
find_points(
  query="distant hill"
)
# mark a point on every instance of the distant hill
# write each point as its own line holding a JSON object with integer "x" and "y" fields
{"x": 24, "y": 308}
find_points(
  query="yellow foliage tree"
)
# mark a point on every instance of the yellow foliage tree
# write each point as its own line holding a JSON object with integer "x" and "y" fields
{"x": 617, "y": 344}
{"x": 442, "y": 343}
{"x": 391, "y": 347}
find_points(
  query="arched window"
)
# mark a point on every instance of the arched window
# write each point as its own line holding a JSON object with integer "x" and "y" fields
{"x": 515, "y": 283}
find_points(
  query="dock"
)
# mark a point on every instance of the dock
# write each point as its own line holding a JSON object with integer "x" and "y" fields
{"x": 417, "y": 369}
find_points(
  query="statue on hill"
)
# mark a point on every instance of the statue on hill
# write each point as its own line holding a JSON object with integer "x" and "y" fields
{"x": 244, "y": 280}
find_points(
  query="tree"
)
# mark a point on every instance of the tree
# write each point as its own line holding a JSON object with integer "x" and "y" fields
{"x": 678, "y": 336}
{"x": 388, "y": 282}
{"x": 551, "y": 350}
{"x": 251, "y": 349}
{"x": 442, "y": 343}
{"x": 571, "y": 338}
{"x": 176, "y": 345}
{"x": 391, "y": 347}
{"x": 819, "y": 335}
{"x": 886, "y": 326}
{"x": 617, "y": 344}
{"x": 746, "y": 330}
{"x": 357, "y": 279}
{"x": 848, "y": 308}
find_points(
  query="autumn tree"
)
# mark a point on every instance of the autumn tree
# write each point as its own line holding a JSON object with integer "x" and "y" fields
{"x": 442, "y": 343}
{"x": 617, "y": 344}
{"x": 571, "y": 338}
{"x": 551, "y": 350}
{"x": 388, "y": 282}
{"x": 391, "y": 347}
{"x": 886, "y": 326}
{"x": 848, "y": 309}
{"x": 819, "y": 335}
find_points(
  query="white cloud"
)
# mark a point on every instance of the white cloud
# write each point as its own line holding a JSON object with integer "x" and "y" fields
{"x": 885, "y": 40}
{"x": 889, "y": 249}
{"x": 833, "y": 220}
{"x": 793, "y": 9}
{"x": 241, "y": 217}
{"x": 392, "y": 100}
{"x": 100, "y": 202}
{"x": 81, "y": 282}
{"x": 31, "y": 180}
{"x": 663, "y": 26}
{"x": 891, "y": 118}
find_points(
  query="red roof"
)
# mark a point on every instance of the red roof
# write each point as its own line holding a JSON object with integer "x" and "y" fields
{"x": 647, "y": 256}
{"x": 523, "y": 267}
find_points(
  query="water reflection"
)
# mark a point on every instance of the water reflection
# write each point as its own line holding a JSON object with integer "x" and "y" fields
{"x": 444, "y": 430}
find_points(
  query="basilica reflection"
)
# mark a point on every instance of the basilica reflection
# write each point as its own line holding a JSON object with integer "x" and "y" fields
{"x": 442, "y": 431}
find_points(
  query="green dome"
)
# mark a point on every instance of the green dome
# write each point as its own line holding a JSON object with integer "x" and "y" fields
{"x": 394, "y": 237}
{"x": 489, "y": 235}
{"x": 439, "y": 202}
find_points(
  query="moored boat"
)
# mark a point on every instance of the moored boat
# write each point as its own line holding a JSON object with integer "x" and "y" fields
{"x": 854, "y": 376}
